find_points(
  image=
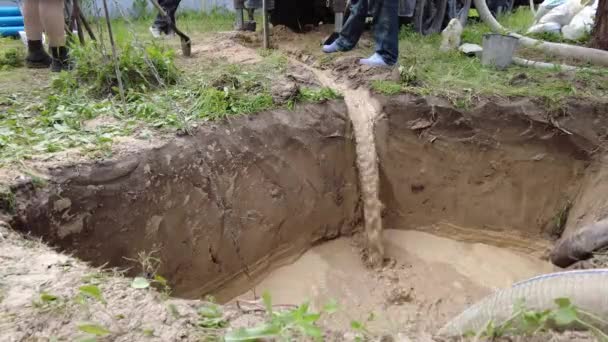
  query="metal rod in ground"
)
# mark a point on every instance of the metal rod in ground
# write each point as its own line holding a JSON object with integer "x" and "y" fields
{"x": 86, "y": 25}
{"x": 82, "y": 21}
{"x": 121, "y": 89}
{"x": 265, "y": 24}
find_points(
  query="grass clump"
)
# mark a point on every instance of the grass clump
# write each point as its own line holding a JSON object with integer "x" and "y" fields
{"x": 289, "y": 325}
{"x": 452, "y": 74}
{"x": 386, "y": 87}
{"x": 12, "y": 58}
{"x": 12, "y": 54}
{"x": 529, "y": 322}
{"x": 141, "y": 69}
{"x": 318, "y": 94}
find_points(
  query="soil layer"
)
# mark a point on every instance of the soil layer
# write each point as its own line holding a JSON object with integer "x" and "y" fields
{"x": 224, "y": 201}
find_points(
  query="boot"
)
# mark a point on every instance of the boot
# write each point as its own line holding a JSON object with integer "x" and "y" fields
{"x": 36, "y": 57}
{"x": 61, "y": 60}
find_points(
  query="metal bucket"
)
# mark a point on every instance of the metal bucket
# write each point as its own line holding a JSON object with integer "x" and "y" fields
{"x": 498, "y": 50}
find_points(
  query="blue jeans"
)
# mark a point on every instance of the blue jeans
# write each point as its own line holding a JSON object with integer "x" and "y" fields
{"x": 386, "y": 28}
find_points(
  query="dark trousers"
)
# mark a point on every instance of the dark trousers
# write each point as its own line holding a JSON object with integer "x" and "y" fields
{"x": 162, "y": 23}
{"x": 386, "y": 28}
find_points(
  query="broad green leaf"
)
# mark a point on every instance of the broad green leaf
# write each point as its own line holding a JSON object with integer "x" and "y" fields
{"x": 356, "y": 325}
{"x": 92, "y": 291}
{"x": 563, "y": 302}
{"x": 47, "y": 297}
{"x": 311, "y": 330}
{"x": 253, "y": 334}
{"x": 565, "y": 316}
{"x": 311, "y": 317}
{"x": 331, "y": 307}
{"x": 140, "y": 283}
{"x": 303, "y": 308}
{"x": 94, "y": 329}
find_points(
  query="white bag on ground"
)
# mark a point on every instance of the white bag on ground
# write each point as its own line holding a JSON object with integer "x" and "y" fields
{"x": 545, "y": 7}
{"x": 582, "y": 23}
{"x": 450, "y": 36}
{"x": 557, "y": 17}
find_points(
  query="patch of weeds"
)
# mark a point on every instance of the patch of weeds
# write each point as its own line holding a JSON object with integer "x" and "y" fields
{"x": 560, "y": 220}
{"x": 37, "y": 181}
{"x": 527, "y": 322}
{"x": 386, "y": 87}
{"x": 149, "y": 277}
{"x": 8, "y": 200}
{"x": 289, "y": 325}
{"x": 141, "y": 69}
{"x": 12, "y": 58}
{"x": 360, "y": 329}
{"x": 216, "y": 104}
{"x": 318, "y": 94}
{"x": 236, "y": 89}
{"x": 211, "y": 317}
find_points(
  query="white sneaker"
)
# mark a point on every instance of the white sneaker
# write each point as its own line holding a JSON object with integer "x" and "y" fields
{"x": 155, "y": 32}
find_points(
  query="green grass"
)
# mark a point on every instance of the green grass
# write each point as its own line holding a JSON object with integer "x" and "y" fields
{"x": 190, "y": 22}
{"x": 56, "y": 119}
{"x": 12, "y": 54}
{"x": 426, "y": 70}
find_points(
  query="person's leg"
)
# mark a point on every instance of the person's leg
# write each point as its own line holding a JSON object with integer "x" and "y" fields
{"x": 171, "y": 10}
{"x": 161, "y": 24}
{"x": 352, "y": 29}
{"x": 386, "y": 33}
{"x": 53, "y": 22}
{"x": 36, "y": 56}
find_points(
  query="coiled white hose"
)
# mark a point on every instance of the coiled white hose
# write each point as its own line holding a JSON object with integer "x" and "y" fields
{"x": 586, "y": 289}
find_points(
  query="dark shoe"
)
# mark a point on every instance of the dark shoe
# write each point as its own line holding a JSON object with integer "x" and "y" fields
{"x": 61, "y": 61}
{"x": 36, "y": 57}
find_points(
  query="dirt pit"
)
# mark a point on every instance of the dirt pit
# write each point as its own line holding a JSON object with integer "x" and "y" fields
{"x": 273, "y": 201}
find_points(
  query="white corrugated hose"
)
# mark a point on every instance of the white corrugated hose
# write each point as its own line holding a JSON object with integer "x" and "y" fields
{"x": 586, "y": 289}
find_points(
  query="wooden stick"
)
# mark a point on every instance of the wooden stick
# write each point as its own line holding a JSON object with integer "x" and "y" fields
{"x": 265, "y": 24}
{"x": 115, "y": 56}
{"x": 86, "y": 25}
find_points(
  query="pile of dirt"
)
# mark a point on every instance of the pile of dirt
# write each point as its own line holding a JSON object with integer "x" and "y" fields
{"x": 45, "y": 295}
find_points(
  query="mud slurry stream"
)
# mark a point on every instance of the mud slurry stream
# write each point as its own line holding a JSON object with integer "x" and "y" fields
{"x": 363, "y": 110}
{"x": 429, "y": 280}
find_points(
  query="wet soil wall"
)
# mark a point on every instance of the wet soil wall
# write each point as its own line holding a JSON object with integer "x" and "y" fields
{"x": 232, "y": 197}
{"x": 499, "y": 166}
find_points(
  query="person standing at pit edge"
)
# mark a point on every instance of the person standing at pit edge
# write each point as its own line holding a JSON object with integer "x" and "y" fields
{"x": 45, "y": 16}
{"x": 386, "y": 32}
{"x": 162, "y": 25}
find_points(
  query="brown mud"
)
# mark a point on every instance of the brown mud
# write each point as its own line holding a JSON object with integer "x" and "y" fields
{"x": 471, "y": 200}
{"x": 429, "y": 280}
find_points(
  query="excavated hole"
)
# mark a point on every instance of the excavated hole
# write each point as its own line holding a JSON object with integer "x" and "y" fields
{"x": 470, "y": 201}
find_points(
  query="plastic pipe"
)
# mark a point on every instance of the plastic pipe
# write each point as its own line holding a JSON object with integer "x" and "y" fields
{"x": 12, "y": 11}
{"x": 12, "y": 31}
{"x": 11, "y": 21}
{"x": 586, "y": 289}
